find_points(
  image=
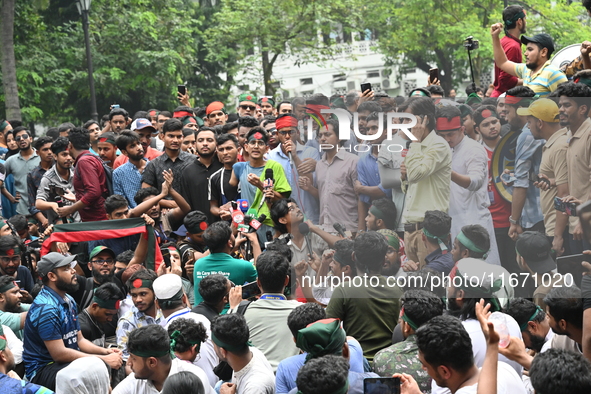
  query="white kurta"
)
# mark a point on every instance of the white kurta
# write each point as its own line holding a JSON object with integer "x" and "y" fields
{"x": 470, "y": 205}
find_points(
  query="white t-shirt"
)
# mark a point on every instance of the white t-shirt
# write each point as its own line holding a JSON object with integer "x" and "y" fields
{"x": 131, "y": 385}
{"x": 256, "y": 377}
{"x": 508, "y": 382}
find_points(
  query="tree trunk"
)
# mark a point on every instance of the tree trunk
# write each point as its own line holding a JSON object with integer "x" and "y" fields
{"x": 267, "y": 73}
{"x": 7, "y": 60}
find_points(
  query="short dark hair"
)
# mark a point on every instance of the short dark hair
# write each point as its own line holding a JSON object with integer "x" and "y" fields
{"x": 247, "y": 121}
{"x": 39, "y": 142}
{"x": 370, "y": 250}
{"x": 278, "y": 210}
{"x": 212, "y": 288}
{"x": 479, "y": 237}
{"x": 143, "y": 193}
{"x": 229, "y": 126}
{"x": 370, "y": 106}
{"x": 89, "y": 123}
{"x": 578, "y": 92}
{"x": 272, "y": 269}
{"x": 118, "y": 111}
{"x": 437, "y": 223}
{"x": 435, "y": 89}
{"x": 420, "y": 306}
{"x": 223, "y": 138}
{"x": 587, "y": 5}
{"x": 279, "y": 246}
{"x": 523, "y": 92}
{"x": 79, "y": 138}
{"x": 322, "y": 375}
{"x": 566, "y": 303}
{"x": 19, "y": 222}
{"x": 59, "y": 145}
{"x": 114, "y": 202}
{"x": 232, "y": 330}
{"x": 125, "y": 138}
{"x": 522, "y": 310}
{"x": 191, "y": 333}
{"x": 335, "y": 127}
{"x": 422, "y": 106}
{"x": 65, "y": 127}
{"x": 216, "y": 236}
{"x": 125, "y": 257}
{"x": 388, "y": 208}
{"x": 167, "y": 114}
{"x": 140, "y": 114}
{"x": 183, "y": 382}
{"x": 4, "y": 280}
{"x": 558, "y": 371}
{"x": 303, "y": 315}
{"x": 18, "y": 129}
{"x": 172, "y": 124}
{"x": 343, "y": 250}
{"x": 150, "y": 338}
{"x": 258, "y": 129}
{"x": 443, "y": 340}
{"x": 108, "y": 291}
{"x": 281, "y": 103}
{"x": 193, "y": 221}
{"x": 51, "y": 132}
{"x": 509, "y": 14}
{"x": 268, "y": 119}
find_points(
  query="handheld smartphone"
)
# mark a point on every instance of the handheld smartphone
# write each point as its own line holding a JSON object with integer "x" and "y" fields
{"x": 572, "y": 265}
{"x": 433, "y": 74}
{"x": 365, "y": 86}
{"x": 584, "y": 211}
{"x": 182, "y": 89}
{"x": 508, "y": 178}
{"x": 166, "y": 256}
{"x": 541, "y": 179}
{"x": 115, "y": 106}
{"x": 381, "y": 386}
{"x": 250, "y": 290}
{"x": 570, "y": 208}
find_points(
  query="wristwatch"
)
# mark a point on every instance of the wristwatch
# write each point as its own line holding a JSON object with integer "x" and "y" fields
{"x": 513, "y": 221}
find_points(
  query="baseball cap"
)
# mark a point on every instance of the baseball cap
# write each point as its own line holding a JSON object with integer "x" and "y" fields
{"x": 100, "y": 249}
{"x": 181, "y": 231}
{"x": 140, "y": 124}
{"x": 535, "y": 248}
{"x": 54, "y": 260}
{"x": 543, "y": 109}
{"x": 543, "y": 39}
{"x": 168, "y": 287}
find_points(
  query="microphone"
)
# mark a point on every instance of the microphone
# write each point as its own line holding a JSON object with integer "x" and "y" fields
{"x": 305, "y": 230}
{"x": 290, "y": 158}
{"x": 340, "y": 229}
{"x": 243, "y": 204}
{"x": 237, "y": 215}
{"x": 268, "y": 181}
{"x": 255, "y": 224}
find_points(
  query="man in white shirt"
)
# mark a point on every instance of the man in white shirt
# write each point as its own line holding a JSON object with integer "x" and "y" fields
{"x": 469, "y": 201}
{"x": 151, "y": 363}
{"x": 252, "y": 372}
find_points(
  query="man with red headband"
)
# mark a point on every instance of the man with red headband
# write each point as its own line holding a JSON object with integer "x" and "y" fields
{"x": 216, "y": 114}
{"x": 107, "y": 148}
{"x": 514, "y": 20}
{"x": 468, "y": 203}
{"x": 297, "y": 161}
{"x": 247, "y": 104}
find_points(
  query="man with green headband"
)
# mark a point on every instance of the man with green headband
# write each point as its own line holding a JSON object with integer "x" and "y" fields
{"x": 436, "y": 237}
{"x": 246, "y": 104}
{"x": 418, "y": 307}
{"x": 151, "y": 361}
{"x": 10, "y": 382}
{"x": 533, "y": 323}
{"x": 267, "y": 104}
{"x": 102, "y": 309}
{"x": 252, "y": 371}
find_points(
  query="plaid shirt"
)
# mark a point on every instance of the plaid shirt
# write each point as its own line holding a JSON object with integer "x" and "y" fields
{"x": 127, "y": 180}
{"x": 132, "y": 320}
{"x": 33, "y": 181}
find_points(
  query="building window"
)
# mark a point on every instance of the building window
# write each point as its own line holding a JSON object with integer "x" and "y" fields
{"x": 373, "y": 74}
{"x": 306, "y": 81}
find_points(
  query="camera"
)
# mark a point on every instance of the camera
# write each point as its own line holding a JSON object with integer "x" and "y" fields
{"x": 470, "y": 43}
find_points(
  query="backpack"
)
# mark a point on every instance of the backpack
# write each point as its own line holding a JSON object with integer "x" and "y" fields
{"x": 108, "y": 174}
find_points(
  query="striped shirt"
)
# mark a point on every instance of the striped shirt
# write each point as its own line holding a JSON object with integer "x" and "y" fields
{"x": 543, "y": 82}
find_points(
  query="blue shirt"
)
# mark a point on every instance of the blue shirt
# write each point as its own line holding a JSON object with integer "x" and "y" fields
{"x": 440, "y": 262}
{"x": 528, "y": 156}
{"x": 241, "y": 170}
{"x": 304, "y": 199}
{"x": 287, "y": 370}
{"x": 127, "y": 180}
{"x": 368, "y": 175}
{"x": 50, "y": 317}
{"x": 9, "y": 385}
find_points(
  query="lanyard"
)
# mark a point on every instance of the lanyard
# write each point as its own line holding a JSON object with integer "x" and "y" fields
{"x": 273, "y": 297}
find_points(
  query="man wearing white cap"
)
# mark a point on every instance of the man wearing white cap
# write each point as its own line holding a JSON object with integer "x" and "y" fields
{"x": 174, "y": 303}
{"x": 143, "y": 127}
{"x": 52, "y": 329}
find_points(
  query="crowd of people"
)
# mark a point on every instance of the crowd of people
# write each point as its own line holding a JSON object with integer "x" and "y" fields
{"x": 258, "y": 251}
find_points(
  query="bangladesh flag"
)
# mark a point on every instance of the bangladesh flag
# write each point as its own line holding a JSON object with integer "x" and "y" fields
{"x": 106, "y": 229}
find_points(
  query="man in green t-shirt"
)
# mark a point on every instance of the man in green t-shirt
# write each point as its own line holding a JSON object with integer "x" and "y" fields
{"x": 12, "y": 312}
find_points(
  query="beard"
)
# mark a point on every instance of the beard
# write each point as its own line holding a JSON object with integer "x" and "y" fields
{"x": 453, "y": 306}
{"x": 537, "y": 342}
{"x": 206, "y": 155}
{"x": 136, "y": 157}
{"x": 103, "y": 278}
{"x": 13, "y": 307}
{"x": 67, "y": 287}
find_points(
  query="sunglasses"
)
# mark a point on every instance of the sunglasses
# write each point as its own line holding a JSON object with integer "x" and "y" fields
{"x": 248, "y": 107}
{"x": 22, "y": 137}
{"x": 287, "y": 132}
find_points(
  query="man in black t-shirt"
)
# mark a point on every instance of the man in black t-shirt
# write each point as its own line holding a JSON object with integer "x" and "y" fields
{"x": 227, "y": 151}
{"x": 102, "y": 310}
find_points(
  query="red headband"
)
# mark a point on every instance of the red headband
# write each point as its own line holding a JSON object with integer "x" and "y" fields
{"x": 215, "y": 106}
{"x": 286, "y": 121}
{"x": 182, "y": 114}
{"x": 446, "y": 125}
{"x": 512, "y": 100}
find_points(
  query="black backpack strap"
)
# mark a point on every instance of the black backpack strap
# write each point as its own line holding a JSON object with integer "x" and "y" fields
{"x": 242, "y": 307}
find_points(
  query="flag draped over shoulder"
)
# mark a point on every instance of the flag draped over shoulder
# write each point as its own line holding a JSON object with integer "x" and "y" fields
{"x": 106, "y": 229}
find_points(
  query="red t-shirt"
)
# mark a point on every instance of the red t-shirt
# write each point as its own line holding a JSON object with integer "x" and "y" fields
{"x": 504, "y": 81}
{"x": 499, "y": 208}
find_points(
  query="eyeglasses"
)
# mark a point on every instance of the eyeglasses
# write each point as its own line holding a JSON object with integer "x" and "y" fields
{"x": 248, "y": 107}
{"x": 22, "y": 137}
{"x": 257, "y": 143}
{"x": 101, "y": 262}
{"x": 13, "y": 259}
{"x": 286, "y": 132}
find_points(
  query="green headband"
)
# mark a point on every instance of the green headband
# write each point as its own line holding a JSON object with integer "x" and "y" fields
{"x": 321, "y": 338}
{"x": 392, "y": 237}
{"x": 176, "y": 335}
{"x": 342, "y": 390}
{"x": 377, "y": 212}
{"x": 336, "y": 258}
{"x": 583, "y": 80}
{"x": 407, "y": 319}
{"x": 523, "y": 327}
{"x": 151, "y": 353}
{"x": 230, "y": 348}
{"x": 515, "y": 18}
{"x": 107, "y": 304}
{"x": 469, "y": 244}
{"x": 139, "y": 283}
{"x": 440, "y": 240}
{"x": 8, "y": 286}
{"x": 4, "y": 125}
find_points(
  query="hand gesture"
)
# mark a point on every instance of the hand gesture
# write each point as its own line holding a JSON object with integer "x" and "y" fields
{"x": 496, "y": 29}
{"x": 436, "y": 81}
{"x": 307, "y": 166}
{"x": 301, "y": 268}
{"x": 304, "y": 183}
{"x": 183, "y": 98}
{"x": 314, "y": 261}
{"x": 420, "y": 131}
{"x": 149, "y": 221}
{"x": 585, "y": 48}
{"x": 254, "y": 180}
{"x": 365, "y": 96}
{"x": 168, "y": 179}
{"x": 410, "y": 266}
{"x": 408, "y": 384}
{"x": 228, "y": 388}
{"x": 235, "y": 296}
{"x": 488, "y": 329}
{"x": 544, "y": 183}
